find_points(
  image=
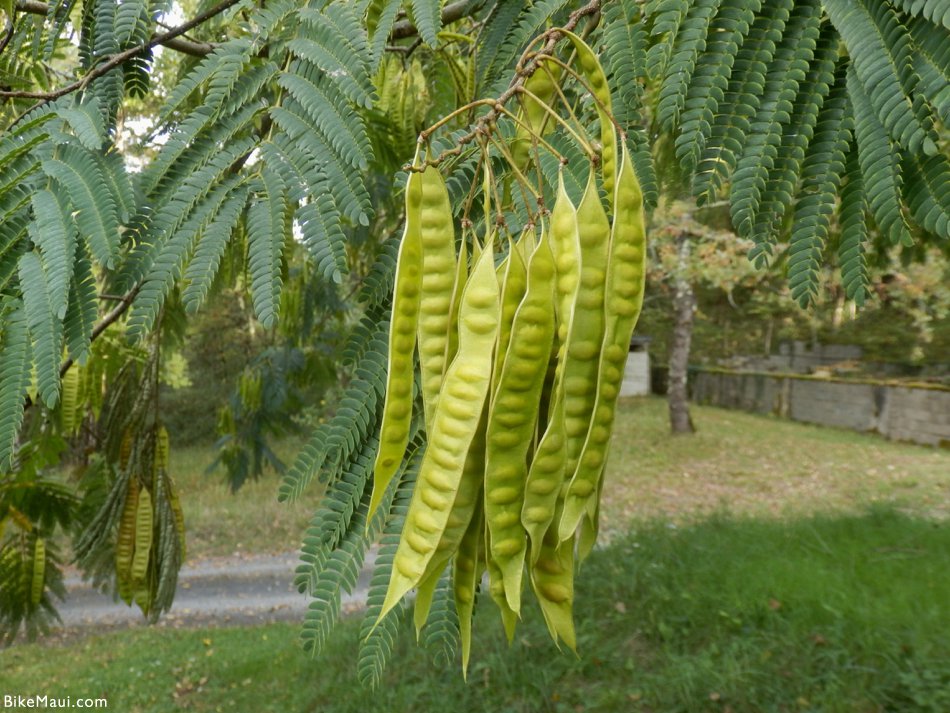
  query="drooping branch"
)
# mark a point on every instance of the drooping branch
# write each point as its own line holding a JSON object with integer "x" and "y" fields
{"x": 179, "y": 44}
{"x": 113, "y": 316}
{"x": 401, "y": 30}
{"x": 118, "y": 59}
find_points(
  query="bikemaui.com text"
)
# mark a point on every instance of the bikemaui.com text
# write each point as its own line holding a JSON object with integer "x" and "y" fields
{"x": 13, "y": 702}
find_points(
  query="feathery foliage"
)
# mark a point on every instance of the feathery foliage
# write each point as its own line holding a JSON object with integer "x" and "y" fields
{"x": 742, "y": 89}
{"x": 821, "y": 122}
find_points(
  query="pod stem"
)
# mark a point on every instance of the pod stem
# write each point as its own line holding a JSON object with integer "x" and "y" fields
{"x": 523, "y": 182}
{"x": 584, "y": 83}
{"x": 534, "y": 135}
{"x": 584, "y": 144}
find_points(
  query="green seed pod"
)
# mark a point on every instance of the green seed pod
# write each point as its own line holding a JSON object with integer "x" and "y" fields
{"x": 587, "y": 324}
{"x": 38, "y": 580}
{"x": 534, "y": 118}
{"x": 143, "y": 538}
{"x": 547, "y": 470}
{"x": 552, "y": 579}
{"x": 467, "y": 572}
{"x": 626, "y": 276}
{"x": 513, "y": 286}
{"x": 425, "y": 593}
{"x": 466, "y": 383}
{"x": 597, "y": 80}
{"x": 125, "y": 542}
{"x": 437, "y": 235}
{"x": 397, "y": 418}
{"x": 496, "y": 588}
{"x": 461, "y": 278}
{"x": 512, "y": 419}
{"x": 467, "y": 501}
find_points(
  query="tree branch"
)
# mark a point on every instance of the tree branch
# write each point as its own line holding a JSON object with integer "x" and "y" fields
{"x": 450, "y": 13}
{"x": 551, "y": 38}
{"x": 401, "y": 30}
{"x": 117, "y": 59}
{"x": 125, "y": 301}
{"x": 179, "y": 44}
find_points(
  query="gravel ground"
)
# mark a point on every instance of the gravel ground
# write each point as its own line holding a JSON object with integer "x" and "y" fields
{"x": 226, "y": 591}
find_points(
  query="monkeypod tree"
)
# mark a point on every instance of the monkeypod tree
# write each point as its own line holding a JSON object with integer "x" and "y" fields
{"x": 822, "y": 122}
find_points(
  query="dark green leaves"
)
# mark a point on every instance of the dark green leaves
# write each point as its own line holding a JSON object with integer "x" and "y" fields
{"x": 882, "y": 57}
{"x": 14, "y": 375}
{"x": 95, "y": 210}
{"x": 743, "y": 95}
{"x": 880, "y": 164}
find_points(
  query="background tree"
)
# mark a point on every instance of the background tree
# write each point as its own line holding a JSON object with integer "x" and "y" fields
{"x": 277, "y": 147}
{"x": 690, "y": 257}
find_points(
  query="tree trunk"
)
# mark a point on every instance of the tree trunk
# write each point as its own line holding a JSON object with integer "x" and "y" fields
{"x": 684, "y": 307}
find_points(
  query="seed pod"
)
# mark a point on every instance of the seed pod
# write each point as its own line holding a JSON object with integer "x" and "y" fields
{"x": 496, "y": 588}
{"x": 467, "y": 500}
{"x": 587, "y": 324}
{"x": 597, "y": 80}
{"x": 179, "y": 516}
{"x": 144, "y": 519}
{"x": 38, "y": 580}
{"x": 626, "y": 275}
{"x": 552, "y": 578}
{"x": 512, "y": 419}
{"x": 466, "y": 574}
{"x": 125, "y": 542}
{"x": 513, "y": 286}
{"x": 70, "y": 403}
{"x": 461, "y": 278}
{"x": 437, "y": 235}
{"x": 547, "y": 471}
{"x": 161, "y": 449}
{"x": 534, "y": 118}
{"x": 466, "y": 383}
{"x": 125, "y": 449}
{"x": 589, "y": 529}
{"x": 397, "y": 409}
{"x": 425, "y": 593}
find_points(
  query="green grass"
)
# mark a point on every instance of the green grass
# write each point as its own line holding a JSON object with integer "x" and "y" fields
{"x": 251, "y": 521}
{"x": 751, "y": 464}
{"x": 763, "y": 466}
{"x": 827, "y": 613}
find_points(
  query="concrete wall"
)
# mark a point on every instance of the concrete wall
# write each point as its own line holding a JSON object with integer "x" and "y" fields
{"x": 801, "y": 357}
{"x": 905, "y": 413}
{"x": 636, "y": 375}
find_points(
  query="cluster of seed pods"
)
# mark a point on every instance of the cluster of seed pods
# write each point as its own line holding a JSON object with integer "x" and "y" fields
{"x": 521, "y": 352}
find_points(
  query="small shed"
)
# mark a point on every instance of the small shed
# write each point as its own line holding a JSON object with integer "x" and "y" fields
{"x": 636, "y": 375}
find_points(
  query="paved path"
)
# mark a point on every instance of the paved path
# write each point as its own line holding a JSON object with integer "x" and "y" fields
{"x": 227, "y": 591}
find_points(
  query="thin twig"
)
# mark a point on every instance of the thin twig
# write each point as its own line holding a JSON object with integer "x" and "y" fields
{"x": 113, "y": 316}
{"x": 588, "y": 149}
{"x": 120, "y": 58}
{"x": 450, "y": 13}
{"x": 179, "y": 44}
{"x": 526, "y": 69}
{"x": 8, "y": 35}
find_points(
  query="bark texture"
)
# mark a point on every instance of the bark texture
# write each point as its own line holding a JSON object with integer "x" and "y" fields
{"x": 684, "y": 307}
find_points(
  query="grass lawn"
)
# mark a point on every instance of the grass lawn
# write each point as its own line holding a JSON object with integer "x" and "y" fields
{"x": 219, "y": 522}
{"x": 846, "y": 612}
{"x": 759, "y": 565}
{"x": 761, "y": 465}
{"x": 746, "y": 463}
